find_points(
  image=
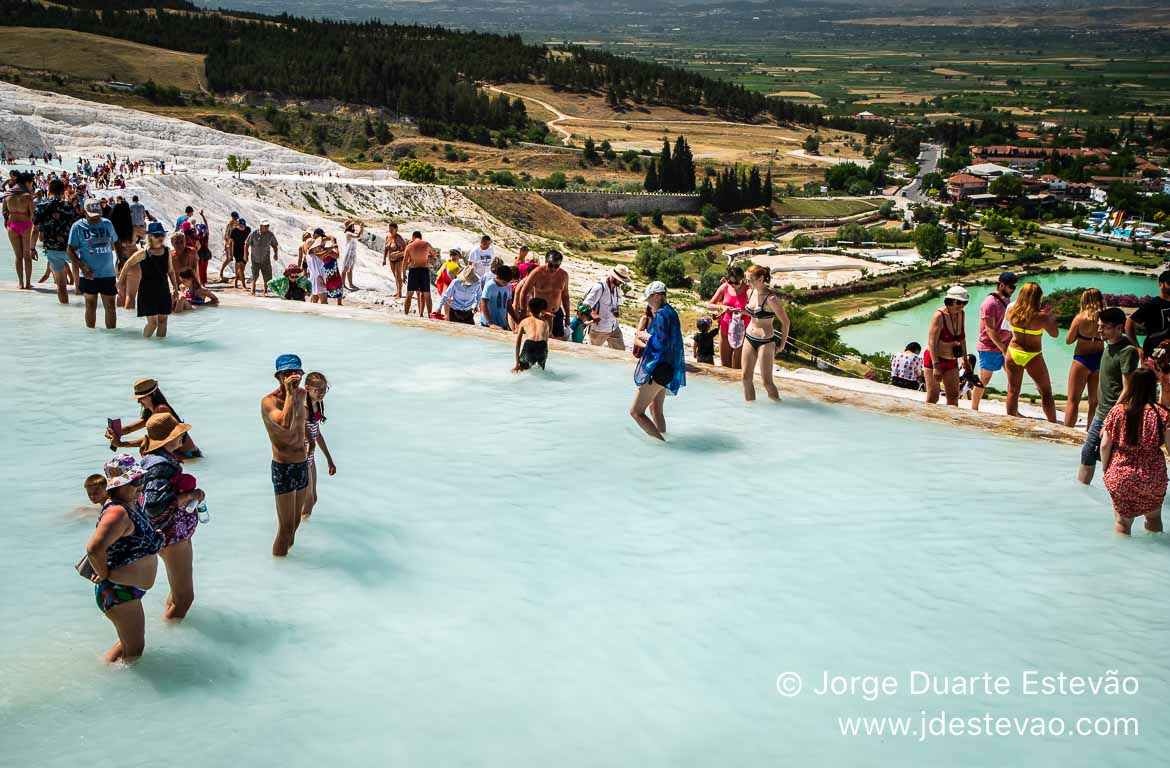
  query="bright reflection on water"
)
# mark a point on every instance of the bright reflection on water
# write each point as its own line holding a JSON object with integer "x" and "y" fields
{"x": 505, "y": 572}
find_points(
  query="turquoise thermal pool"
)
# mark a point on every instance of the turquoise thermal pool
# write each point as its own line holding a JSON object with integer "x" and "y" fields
{"x": 506, "y": 572}
{"x": 894, "y": 331}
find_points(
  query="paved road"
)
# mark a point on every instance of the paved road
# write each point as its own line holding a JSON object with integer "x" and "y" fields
{"x": 930, "y": 154}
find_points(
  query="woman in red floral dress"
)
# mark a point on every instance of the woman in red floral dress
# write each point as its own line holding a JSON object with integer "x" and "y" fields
{"x": 1131, "y": 450}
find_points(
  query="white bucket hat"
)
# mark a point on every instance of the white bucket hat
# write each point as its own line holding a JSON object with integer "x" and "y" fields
{"x": 958, "y": 293}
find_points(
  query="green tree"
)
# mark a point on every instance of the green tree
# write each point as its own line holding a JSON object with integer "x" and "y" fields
{"x": 418, "y": 171}
{"x": 804, "y": 241}
{"x": 710, "y": 215}
{"x": 656, "y": 218}
{"x": 237, "y": 164}
{"x": 1008, "y": 186}
{"x": 852, "y": 233}
{"x": 812, "y": 144}
{"x": 650, "y": 254}
{"x": 652, "y": 184}
{"x": 590, "y": 154}
{"x": 974, "y": 250}
{"x": 633, "y": 220}
{"x": 931, "y": 242}
{"x": 673, "y": 271}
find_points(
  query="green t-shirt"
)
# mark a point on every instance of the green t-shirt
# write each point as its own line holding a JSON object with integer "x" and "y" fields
{"x": 1116, "y": 361}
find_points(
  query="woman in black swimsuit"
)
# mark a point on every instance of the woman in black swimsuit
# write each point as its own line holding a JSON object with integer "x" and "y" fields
{"x": 763, "y": 340}
{"x": 157, "y": 276}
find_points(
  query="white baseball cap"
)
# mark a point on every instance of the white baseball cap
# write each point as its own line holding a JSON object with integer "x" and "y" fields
{"x": 93, "y": 206}
{"x": 655, "y": 287}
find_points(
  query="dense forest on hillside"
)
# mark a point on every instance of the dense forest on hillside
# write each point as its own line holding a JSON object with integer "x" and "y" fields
{"x": 419, "y": 71}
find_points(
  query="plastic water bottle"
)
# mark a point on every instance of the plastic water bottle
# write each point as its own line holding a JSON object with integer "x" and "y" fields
{"x": 204, "y": 515}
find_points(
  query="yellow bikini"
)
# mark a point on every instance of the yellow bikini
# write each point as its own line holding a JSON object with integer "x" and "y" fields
{"x": 1022, "y": 357}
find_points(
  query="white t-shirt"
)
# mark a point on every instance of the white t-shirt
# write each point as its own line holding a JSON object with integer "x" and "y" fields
{"x": 481, "y": 259}
{"x": 605, "y": 302}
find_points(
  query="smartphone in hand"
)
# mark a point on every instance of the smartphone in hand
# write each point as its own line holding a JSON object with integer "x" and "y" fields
{"x": 115, "y": 427}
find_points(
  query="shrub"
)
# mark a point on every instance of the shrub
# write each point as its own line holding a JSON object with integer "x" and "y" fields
{"x": 656, "y": 218}
{"x": 650, "y": 256}
{"x": 804, "y": 241}
{"x": 673, "y": 272}
{"x": 700, "y": 260}
{"x": 417, "y": 171}
{"x": 710, "y": 215}
{"x": 502, "y": 178}
{"x": 685, "y": 224}
{"x": 710, "y": 281}
{"x": 633, "y": 220}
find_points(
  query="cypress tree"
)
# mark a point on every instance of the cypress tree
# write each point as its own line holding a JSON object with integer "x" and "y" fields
{"x": 755, "y": 189}
{"x": 769, "y": 192}
{"x": 666, "y": 170}
{"x": 652, "y": 184}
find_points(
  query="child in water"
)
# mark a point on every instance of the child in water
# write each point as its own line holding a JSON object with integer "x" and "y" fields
{"x": 703, "y": 342}
{"x": 316, "y": 387}
{"x": 95, "y": 489}
{"x": 580, "y": 324}
{"x": 968, "y": 377}
{"x": 532, "y": 337}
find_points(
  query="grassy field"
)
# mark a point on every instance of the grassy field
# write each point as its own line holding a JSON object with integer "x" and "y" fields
{"x": 807, "y": 208}
{"x": 530, "y": 212}
{"x": 713, "y": 141}
{"x": 1092, "y": 250}
{"x": 93, "y": 57}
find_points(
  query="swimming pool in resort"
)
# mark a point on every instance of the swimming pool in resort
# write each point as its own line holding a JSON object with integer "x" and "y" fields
{"x": 897, "y": 329}
{"x": 506, "y": 572}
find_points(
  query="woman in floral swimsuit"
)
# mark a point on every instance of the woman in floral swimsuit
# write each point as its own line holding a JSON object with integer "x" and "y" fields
{"x": 1132, "y": 438}
{"x": 169, "y": 511}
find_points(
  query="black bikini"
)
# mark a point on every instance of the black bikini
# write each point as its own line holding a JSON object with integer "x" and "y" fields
{"x": 761, "y": 313}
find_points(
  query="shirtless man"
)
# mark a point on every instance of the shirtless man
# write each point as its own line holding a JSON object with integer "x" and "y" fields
{"x": 550, "y": 283}
{"x": 284, "y": 412}
{"x": 417, "y": 257}
{"x": 395, "y": 245}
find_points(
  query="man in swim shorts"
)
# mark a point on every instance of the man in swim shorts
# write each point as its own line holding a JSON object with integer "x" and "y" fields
{"x": 993, "y": 337}
{"x": 54, "y": 219}
{"x": 284, "y": 413}
{"x": 91, "y": 249}
{"x": 551, "y": 283}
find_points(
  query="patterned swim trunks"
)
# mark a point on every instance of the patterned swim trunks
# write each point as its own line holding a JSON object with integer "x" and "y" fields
{"x": 287, "y": 478}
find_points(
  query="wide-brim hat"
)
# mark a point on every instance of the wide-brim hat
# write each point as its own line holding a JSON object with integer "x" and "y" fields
{"x": 144, "y": 387}
{"x": 161, "y": 429}
{"x": 468, "y": 276}
{"x": 121, "y": 470}
{"x": 621, "y": 274}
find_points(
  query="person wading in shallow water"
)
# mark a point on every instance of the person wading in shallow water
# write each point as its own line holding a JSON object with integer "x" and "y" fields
{"x": 284, "y": 413}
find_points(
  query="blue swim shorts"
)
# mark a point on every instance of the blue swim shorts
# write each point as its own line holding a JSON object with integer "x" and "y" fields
{"x": 991, "y": 361}
{"x": 57, "y": 259}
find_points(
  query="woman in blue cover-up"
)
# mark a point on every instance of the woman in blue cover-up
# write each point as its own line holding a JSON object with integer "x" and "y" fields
{"x": 661, "y": 367}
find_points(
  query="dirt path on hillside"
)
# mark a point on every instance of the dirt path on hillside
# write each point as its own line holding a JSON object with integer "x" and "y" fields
{"x": 567, "y": 134}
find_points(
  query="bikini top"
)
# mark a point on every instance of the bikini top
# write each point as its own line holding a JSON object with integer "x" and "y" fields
{"x": 948, "y": 336}
{"x": 762, "y": 312}
{"x": 1027, "y": 331}
{"x": 1087, "y": 338}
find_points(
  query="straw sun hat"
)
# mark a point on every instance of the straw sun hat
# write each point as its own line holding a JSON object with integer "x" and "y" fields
{"x": 161, "y": 429}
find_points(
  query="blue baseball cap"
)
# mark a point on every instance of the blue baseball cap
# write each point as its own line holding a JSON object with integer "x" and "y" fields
{"x": 288, "y": 363}
{"x": 1008, "y": 278}
{"x": 235, "y": 215}
{"x": 242, "y": 222}
{"x": 156, "y": 228}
